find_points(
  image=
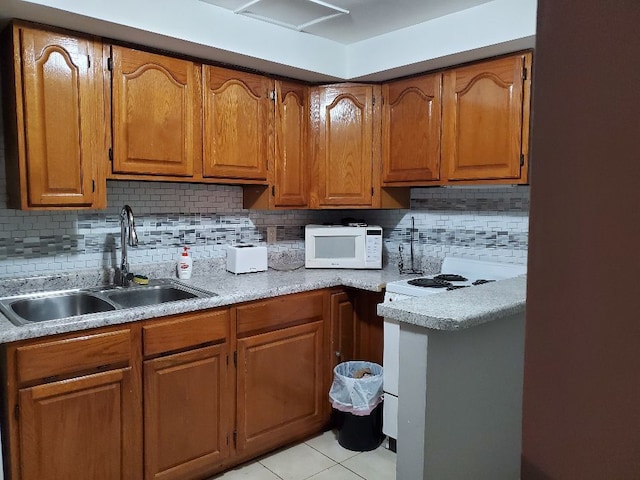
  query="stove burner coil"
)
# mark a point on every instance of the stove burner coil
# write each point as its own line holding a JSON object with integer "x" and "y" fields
{"x": 450, "y": 277}
{"x": 481, "y": 281}
{"x": 429, "y": 282}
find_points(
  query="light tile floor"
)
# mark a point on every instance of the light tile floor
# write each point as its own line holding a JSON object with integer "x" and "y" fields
{"x": 320, "y": 458}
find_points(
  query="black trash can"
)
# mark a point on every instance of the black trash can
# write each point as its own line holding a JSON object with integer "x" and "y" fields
{"x": 357, "y": 403}
{"x": 361, "y": 433}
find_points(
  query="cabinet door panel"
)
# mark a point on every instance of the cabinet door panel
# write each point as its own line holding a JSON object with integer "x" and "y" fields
{"x": 236, "y": 124}
{"x": 345, "y": 146}
{"x": 280, "y": 386}
{"x": 343, "y": 328}
{"x": 63, "y": 113}
{"x": 156, "y": 114}
{"x": 483, "y": 118}
{"x": 291, "y": 172}
{"x": 186, "y": 413}
{"x": 411, "y": 130}
{"x": 81, "y": 428}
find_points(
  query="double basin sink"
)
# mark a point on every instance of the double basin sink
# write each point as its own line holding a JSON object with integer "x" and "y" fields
{"x": 41, "y": 307}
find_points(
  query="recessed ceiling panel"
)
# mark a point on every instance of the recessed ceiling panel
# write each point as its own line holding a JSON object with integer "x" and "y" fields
{"x": 365, "y": 18}
{"x": 296, "y": 14}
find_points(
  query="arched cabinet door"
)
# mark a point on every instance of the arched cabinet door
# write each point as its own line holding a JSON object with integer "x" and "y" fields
{"x": 291, "y": 171}
{"x": 345, "y": 149}
{"x": 411, "y": 129}
{"x": 485, "y": 118}
{"x": 237, "y": 111}
{"x": 156, "y": 114}
{"x": 59, "y": 110}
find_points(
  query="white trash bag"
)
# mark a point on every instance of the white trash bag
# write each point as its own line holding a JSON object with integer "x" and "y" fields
{"x": 358, "y": 396}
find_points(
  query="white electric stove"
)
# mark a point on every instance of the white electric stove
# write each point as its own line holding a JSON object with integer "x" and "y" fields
{"x": 455, "y": 273}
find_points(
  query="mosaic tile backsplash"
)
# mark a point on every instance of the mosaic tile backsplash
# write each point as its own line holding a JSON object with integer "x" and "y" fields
{"x": 470, "y": 222}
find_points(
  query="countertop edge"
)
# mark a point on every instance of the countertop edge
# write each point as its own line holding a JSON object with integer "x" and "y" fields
{"x": 461, "y": 309}
{"x": 231, "y": 289}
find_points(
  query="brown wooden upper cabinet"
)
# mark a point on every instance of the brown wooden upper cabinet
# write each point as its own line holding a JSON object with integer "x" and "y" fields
{"x": 54, "y": 119}
{"x": 289, "y": 173}
{"x": 485, "y": 119}
{"x": 411, "y": 128}
{"x": 156, "y": 114}
{"x": 291, "y": 165}
{"x": 345, "y": 126}
{"x": 237, "y": 121}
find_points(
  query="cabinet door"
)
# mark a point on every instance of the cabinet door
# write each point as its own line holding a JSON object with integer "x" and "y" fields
{"x": 237, "y": 112}
{"x": 156, "y": 114}
{"x": 291, "y": 179}
{"x": 343, "y": 328}
{"x": 186, "y": 405}
{"x": 62, "y": 112}
{"x": 483, "y": 111}
{"x": 85, "y": 427}
{"x": 280, "y": 386}
{"x": 343, "y": 175}
{"x": 411, "y": 130}
{"x": 356, "y": 329}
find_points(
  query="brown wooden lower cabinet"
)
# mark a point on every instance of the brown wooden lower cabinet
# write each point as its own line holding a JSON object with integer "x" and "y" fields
{"x": 73, "y": 406}
{"x": 164, "y": 399}
{"x": 186, "y": 416}
{"x": 79, "y": 428}
{"x": 356, "y": 329}
{"x": 280, "y": 382}
{"x": 281, "y": 364}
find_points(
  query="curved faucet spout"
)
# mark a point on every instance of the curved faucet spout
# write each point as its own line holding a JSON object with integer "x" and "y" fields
{"x": 128, "y": 235}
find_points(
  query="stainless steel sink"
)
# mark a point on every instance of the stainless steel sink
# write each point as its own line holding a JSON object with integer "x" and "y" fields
{"x": 41, "y": 307}
{"x": 149, "y": 295}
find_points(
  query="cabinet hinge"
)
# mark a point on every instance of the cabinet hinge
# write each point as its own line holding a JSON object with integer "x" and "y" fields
{"x": 272, "y": 95}
{"x": 521, "y": 159}
{"x": 110, "y": 64}
{"x": 235, "y": 359}
{"x": 16, "y": 412}
{"x": 373, "y": 101}
{"x": 111, "y": 154}
{"x": 524, "y": 73}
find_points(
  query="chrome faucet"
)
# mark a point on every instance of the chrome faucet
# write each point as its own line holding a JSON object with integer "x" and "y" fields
{"x": 127, "y": 235}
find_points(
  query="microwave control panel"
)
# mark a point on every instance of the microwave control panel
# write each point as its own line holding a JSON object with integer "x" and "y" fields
{"x": 373, "y": 248}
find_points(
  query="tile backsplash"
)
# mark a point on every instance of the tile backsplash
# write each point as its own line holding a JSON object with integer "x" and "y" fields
{"x": 470, "y": 222}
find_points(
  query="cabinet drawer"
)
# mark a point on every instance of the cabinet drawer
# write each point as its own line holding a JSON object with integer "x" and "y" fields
{"x": 185, "y": 331}
{"x": 279, "y": 312}
{"x": 76, "y": 354}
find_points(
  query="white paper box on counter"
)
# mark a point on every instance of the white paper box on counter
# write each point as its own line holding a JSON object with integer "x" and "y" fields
{"x": 246, "y": 258}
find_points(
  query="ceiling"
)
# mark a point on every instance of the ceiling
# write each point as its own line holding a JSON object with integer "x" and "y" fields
{"x": 345, "y": 21}
{"x": 376, "y": 41}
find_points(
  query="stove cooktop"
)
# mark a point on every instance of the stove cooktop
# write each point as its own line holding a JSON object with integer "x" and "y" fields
{"x": 456, "y": 273}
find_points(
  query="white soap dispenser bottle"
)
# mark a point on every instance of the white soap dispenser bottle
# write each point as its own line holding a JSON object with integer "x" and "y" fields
{"x": 185, "y": 264}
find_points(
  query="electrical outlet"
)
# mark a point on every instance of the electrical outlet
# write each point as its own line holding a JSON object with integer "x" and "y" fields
{"x": 271, "y": 235}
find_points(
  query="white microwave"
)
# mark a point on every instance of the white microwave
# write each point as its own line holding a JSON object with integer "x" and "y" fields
{"x": 337, "y": 246}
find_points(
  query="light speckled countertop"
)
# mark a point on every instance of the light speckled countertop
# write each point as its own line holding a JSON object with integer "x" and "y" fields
{"x": 463, "y": 308}
{"x": 230, "y": 289}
